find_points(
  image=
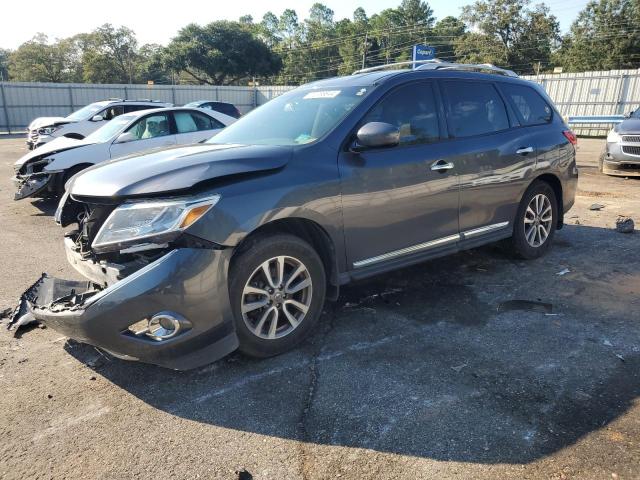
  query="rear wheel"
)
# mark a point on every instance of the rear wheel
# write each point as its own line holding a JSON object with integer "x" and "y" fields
{"x": 536, "y": 221}
{"x": 277, "y": 290}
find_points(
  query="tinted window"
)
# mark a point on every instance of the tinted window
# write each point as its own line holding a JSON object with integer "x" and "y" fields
{"x": 135, "y": 108}
{"x": 413, "y": 109}
{"x": 112, "y": 112}
{"x": 474, "y": 108}
{"x": 156, "y": 125}
{"x": 530, "y": 106}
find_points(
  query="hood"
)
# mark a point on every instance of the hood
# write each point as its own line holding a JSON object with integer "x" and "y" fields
{"x": 629, "y": 125}
{"x": 56, "y": 145}
{"x": 175, "y": 169}
{"x": 47, "y": 122}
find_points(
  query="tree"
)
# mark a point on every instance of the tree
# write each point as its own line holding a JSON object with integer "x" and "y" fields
{"x": 4, "y": 64}
{"x": 151, "y": 64}
{"x": 604, "y": 36}
{"x": 37, "y": 60}
{"x": 221, "y": 53}
{"x": 111, "y": 55}
{"x": 444, "y": 36}
{"x": 507, "y": 32}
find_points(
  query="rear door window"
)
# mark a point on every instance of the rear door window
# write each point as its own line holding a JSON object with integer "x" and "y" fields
{"x": 194, "y": 122}
{"x": 413, "y": 109}
{"x": 529, "y": 105}
{"x": 474, "y": 108}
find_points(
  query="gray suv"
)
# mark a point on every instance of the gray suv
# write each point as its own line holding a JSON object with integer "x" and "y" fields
{"x": 195, "y": 251}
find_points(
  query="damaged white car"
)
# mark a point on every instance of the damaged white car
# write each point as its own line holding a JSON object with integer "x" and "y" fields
{"x": 82, "y": 122}
{"x": 44, "y": 172}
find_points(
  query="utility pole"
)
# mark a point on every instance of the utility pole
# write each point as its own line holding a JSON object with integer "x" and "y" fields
{"x": 364, "y": 49}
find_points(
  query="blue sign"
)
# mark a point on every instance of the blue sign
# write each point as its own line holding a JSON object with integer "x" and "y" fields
{"x": 423, "y": 52}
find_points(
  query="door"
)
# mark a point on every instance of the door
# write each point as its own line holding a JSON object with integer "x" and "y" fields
{"x": 400, "y": 200}
{"x": 493, "y": 155}
{"x": 194, "y": 127}
{"x": 149, "y": 132}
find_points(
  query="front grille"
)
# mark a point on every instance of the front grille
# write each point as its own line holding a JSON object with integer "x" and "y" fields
{"x": 631, "y": 138}
{"x": 631, "y": 150}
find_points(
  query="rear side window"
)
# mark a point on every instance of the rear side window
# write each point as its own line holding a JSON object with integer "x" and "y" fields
{"x": 413, "y": 109}
{"x": 529, "y": 104}
{"x": 474, "y": 108}
{"x": 193, "y": 122}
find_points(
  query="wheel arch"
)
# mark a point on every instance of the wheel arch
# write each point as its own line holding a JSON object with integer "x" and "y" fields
{"x": 554, "y": 182}
{"x": 312, "y": 233}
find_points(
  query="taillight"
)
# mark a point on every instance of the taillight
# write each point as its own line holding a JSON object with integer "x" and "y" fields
{"x": 573, "y": 139}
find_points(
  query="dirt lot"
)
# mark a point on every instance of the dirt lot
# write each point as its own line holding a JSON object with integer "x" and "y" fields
{"x": 438, "y": 371}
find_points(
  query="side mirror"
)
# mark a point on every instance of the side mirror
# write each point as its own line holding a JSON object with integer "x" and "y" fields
{"x": 125, "y": 137}
{"x": 97, "y": 118}
{"x": 377, "y": 134}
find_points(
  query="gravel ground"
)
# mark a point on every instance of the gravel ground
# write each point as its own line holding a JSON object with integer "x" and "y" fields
{"x": 474, "y": 366}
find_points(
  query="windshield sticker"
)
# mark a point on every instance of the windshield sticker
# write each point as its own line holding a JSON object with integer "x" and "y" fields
{"x": 322, "y": 94}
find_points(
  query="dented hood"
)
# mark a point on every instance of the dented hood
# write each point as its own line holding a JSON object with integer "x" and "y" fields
{"x": 175, "y": 169}
{"x": 47, "y": 122}
{"x": 56, "y": 145}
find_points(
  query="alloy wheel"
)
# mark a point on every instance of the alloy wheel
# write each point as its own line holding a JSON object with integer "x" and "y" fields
{"x": 277, "y": 297}
{"x": 538, "y": 219}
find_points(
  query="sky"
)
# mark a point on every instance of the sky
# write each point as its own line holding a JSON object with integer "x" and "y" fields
{"x": 65, "y": 18}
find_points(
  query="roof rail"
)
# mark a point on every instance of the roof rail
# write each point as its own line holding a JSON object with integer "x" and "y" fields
{"x": 437, "y": 64}
{"x": 440, "y": 65}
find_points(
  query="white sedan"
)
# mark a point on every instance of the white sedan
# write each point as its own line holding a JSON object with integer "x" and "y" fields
{"x": 44, "y": 171}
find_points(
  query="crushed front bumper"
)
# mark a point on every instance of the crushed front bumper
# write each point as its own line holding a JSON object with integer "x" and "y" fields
{"x": 190, "y": 282}
{"x": 31, "y": 185}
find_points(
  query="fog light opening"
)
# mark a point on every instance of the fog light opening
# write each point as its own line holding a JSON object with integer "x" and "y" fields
{"x": 162, "y": 326}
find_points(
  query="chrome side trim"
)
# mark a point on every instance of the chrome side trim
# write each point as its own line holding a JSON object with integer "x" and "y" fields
{"x": 404, "y": 251}
{"x": 485, "y": 229}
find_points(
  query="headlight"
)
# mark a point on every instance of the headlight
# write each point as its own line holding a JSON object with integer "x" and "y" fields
{"x": 47, "y": 130}
{"x": 613, "y": 137}
{"x": 150, "y": 221}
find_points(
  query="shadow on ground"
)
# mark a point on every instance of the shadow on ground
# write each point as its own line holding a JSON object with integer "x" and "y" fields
{"x": 428, "y": 362}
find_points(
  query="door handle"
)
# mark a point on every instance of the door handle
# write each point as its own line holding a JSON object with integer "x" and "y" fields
{"x": 441, "y": 166}
{"x": 524, "y": 150}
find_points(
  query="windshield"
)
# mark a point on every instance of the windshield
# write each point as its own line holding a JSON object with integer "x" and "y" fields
{"x": 106, "y": 132}
{"x": 85, "y": 113}
{"x": 295, "y": 118}
{"x": 636, "y": 114}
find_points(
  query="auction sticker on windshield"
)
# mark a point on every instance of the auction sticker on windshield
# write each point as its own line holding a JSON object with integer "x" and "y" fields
{"x": 322, "y": 94}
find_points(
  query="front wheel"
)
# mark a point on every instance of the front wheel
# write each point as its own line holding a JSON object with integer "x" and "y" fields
{"x": 536, "y": 221}
{"x": 277, "y": 289}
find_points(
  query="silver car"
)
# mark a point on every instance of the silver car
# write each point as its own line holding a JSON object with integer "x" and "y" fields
{"x": 621, "y": 155}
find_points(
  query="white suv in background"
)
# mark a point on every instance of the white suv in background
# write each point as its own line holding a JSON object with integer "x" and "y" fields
{"x": 82, "y": 122}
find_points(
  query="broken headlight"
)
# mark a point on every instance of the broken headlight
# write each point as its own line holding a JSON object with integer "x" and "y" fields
{"x": 150, "y": 221}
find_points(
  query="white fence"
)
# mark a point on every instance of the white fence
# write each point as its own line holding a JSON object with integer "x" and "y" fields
{"x": 612, "y": 92}
{"x": 21, "y": 102}
{"x": 590, "y": 93}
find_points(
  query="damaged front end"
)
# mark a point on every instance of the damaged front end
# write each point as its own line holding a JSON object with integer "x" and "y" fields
{"x": 31, "y": 180}
{"x": 163, "y": 300}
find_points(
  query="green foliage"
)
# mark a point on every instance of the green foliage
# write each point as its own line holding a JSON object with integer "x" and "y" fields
{"x": 220, "y": 53}
{"x": 286, "y": 49}
{"x": 605, "y": 36}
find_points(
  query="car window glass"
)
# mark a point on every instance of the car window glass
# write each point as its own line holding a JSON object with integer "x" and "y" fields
{"x": 156, "y": 125}
{"x": 112, "y": 112}
{"x": 412, "y": 108}
{"x": 530, "y": 106}
{"x": 193, "y": 122}
{"x": 474, "y": 108}
{"x": 135, "y": 108}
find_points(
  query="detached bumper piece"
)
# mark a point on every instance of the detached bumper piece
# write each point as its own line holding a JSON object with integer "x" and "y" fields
{"x": 173, "y": 312}
{"x": 30, "y": 185}
{"x": 50, "y": 293}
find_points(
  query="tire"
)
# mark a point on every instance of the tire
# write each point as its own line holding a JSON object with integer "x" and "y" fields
{"x": 527, "y": 243}
{"x": 255, "y": 328}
